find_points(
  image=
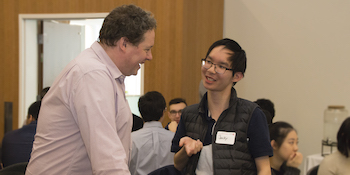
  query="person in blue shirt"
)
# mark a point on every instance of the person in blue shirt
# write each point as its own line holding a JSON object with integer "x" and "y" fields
{"x": 17, "y": 144}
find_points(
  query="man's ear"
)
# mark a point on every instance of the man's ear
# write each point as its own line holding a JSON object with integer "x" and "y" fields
{"x": 237, "y": 76}
{"x": 162, "y": 118}
{"x": 122, "y": 43}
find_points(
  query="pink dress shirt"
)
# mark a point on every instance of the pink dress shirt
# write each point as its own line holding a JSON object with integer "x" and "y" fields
{"x": 84, "y": 125}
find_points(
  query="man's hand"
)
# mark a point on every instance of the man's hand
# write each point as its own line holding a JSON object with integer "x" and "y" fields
{"x": 295, "y": 160}
{"x": 172, "y": 126}
{"x": 191, "y": 146}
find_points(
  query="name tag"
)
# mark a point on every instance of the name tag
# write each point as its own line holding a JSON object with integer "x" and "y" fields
{"x": 227, "y": 138}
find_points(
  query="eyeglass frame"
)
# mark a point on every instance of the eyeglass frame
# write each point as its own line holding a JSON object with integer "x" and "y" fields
{"x": 173, "y": 112}
{"x": 204, "y": 60}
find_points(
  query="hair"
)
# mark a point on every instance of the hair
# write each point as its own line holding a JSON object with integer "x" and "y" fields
{"x": 267, "y": 105}
{"x": 176, "y": 101}
{"x": 268, "y": 116}
{"x": 279, "y": 131}
{"x": 34, "y": 109}
{"x": 238, "y": 59}
{"x": 151, "y": 106}
{"x": 343, "y": 137}
{"x": 44, "y": 91}
{"x": 128, "y": 21}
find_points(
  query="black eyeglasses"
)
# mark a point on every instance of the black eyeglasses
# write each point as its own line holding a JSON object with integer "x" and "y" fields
{"x": 173, "y": 112}
{"x": 217, "y": 68}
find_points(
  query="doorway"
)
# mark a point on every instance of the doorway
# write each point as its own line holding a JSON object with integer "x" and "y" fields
{"x": 41, "y": 59}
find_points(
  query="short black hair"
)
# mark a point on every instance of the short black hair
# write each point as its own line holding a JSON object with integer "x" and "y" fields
{"x": 266, "y": 104}
{"x": 34, "y": 109}
{"x": 176, "y": 101}
{"x": 151, "y": 106}
{"x": 44, "y": 91}
{"x": 279, "y": 131}
{"x": 238, "y": 59}
{"x": 343, "y": 137}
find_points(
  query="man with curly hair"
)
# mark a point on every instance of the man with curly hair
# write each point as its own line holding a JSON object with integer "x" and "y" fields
{"x": 85, "y": 121}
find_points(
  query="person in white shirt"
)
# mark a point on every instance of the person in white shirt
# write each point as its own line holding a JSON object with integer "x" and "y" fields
{"x": 151, "y": 144}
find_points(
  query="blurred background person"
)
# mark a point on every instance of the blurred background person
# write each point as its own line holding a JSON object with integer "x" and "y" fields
{"x": 268, "y": 108}
{"x": 42, "y": 93}
{"x": 176, "y": 106}
{"x": 338, "y": 162}
{"x": 284, "y": 141}
{"x": 151, "y": 144}
{"x": 17, "y": 144}
{"x": 137, "y": 122}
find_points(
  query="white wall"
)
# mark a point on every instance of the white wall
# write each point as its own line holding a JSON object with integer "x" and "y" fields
{"x": 298, "y": 56}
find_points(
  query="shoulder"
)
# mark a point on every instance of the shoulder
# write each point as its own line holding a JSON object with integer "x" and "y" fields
{"x": 246, "y": 104}
{"x": 191, "y": 108}
{"x": 333, "y": 158}
{"x": 88, "y": 61}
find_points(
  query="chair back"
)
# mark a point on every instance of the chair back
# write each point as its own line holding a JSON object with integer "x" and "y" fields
{"x": 15, "y": 169}
{"x": 313, "y": 170}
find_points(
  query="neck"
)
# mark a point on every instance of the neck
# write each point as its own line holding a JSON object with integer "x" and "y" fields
{"x": 113, "y": 54}
{"x": 275, "y": 162}
{"x": 218, "y": 101}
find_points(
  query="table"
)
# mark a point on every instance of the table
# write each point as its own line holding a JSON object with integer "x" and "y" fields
{"x": 311, "y": 161}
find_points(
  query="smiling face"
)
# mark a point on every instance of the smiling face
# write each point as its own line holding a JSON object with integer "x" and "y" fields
{"x": 219, "y": 82}
{"x": 288, "y": 147}
{"x": 137, "y": 55}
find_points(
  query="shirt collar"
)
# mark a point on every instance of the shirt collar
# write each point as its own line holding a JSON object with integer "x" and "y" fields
{"x": 152, "y": 124}
{"x": 103, "y": 56}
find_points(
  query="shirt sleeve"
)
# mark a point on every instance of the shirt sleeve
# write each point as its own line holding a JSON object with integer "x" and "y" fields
{"x": 95, "y": 106}
{"x": 133, "y": 159}
{"x": 258, "y": 134}
{"x": 180, "y": 132}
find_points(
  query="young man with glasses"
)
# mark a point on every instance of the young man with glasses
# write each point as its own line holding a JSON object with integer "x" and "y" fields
{"x": 223, "y": 134}
{"x": 176, "y": 106}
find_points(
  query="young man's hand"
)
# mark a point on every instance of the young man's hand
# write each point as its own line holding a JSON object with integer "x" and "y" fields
{"x": 191, "y": 146}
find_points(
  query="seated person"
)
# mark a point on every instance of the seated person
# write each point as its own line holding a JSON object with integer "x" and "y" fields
{"x": 176, "y": 106}
{"x": 339, "y": 161}
{"x": 137, "y": 122}
{"x": 151, "y": 144}
{"x": 17, "y": 145}
{"x": 284, "y": 141}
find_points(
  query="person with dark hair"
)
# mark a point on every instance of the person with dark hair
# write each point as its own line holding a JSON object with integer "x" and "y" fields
{"x": 17, "y": 144}
{"x": 223, "y": 134}
{"x": 284, "y": 141}
{"x": 176, "y": 106}
{"x": 338, "y": 162}
{"x": 268, "y": 108}
{"x": 151, "y": 144}
{"x": 43, "y": 93}
{"x": 137, "y": 122}
{"x": 85, "y": 122}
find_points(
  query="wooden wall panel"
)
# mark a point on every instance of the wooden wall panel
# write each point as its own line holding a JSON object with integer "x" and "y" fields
{"x": 185, "y": 30}
{"x": 203, "y": 24}
{"x": 2, "y": 67}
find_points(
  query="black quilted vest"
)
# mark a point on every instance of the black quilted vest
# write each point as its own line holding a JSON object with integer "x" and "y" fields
{"x": 227, "y": 159}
